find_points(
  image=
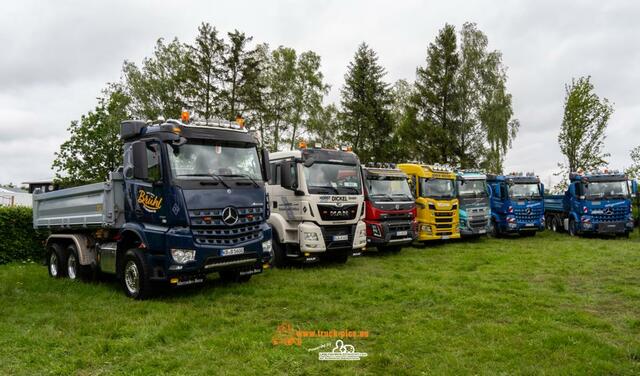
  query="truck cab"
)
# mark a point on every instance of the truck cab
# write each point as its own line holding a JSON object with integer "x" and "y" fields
{"x": 317, "y": 205}
{"x": 434, "y": 189}
{"x": 594, "y": 203}
{"x": 517, "y": 206}
{"x": 390, "y": 208}
{"x": 189, "y": 200}
{"x": 473, "y": 196}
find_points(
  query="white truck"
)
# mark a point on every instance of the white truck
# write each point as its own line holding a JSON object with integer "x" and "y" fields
{"x": 317, "y": 205}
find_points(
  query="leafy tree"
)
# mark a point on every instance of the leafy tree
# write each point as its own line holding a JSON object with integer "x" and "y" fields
{"x": 582, "y": 132}
{"x": 324, "y": 126}
{"x": 366, "y": 102}
{"x": 204, "y": 72}
{"x": 634, "y": 170}
{"x": 158, "y": 88}
{"x": 94, "y": 148}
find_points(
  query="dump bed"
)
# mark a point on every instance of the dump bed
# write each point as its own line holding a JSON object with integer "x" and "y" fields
{"x": 554, "y": 203}
{"x": 99, "y": 205}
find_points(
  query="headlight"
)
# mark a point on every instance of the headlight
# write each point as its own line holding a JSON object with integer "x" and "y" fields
{"x": 266, "y": 246}
{"x": 311, "y": 236}
{"x": 425, "y": 228}
{"x": 183, "y": 256}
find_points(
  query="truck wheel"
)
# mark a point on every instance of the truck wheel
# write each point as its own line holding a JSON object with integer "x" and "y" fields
{"x": 572, "y": 227}
{"x": 56, "y": 261}
{"x": 279, "y": 256}
{"x": 135, "y": 275}
{"x": 554, "y": 224}
{"x": 493, "y": 229}
{"x": 73, "y": 267}
{"x": 234, "y": 276}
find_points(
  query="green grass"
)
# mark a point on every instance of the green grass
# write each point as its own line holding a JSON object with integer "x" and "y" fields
{"x": 544, "y": 305}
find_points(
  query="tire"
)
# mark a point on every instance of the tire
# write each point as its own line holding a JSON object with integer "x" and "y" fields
{"x": 279, "y": 255}
{"x": 493, "y": 229}
{"x": 74, "y": 269}
{"x": 56, "y": 261}
{"x": 229, "y": 276}
{"x": 572, "y": 227}
{"x": 135, "y": 275}
{"x": 554, "y": 224}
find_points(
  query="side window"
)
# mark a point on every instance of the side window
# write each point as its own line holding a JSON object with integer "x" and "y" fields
{"x": 275, "y": 173}
{"x": 412, "y": 184}
{"x": 153, "y": 162}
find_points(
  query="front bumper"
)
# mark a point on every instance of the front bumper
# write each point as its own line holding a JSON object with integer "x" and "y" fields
{"x": 390, "y": 233}
{"x": 618, "y": 227}
{"x": 316, "y": 239}
{"x": 427, "y": 231}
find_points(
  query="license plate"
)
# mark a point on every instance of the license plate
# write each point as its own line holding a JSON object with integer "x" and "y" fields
{"x": 445, "y": 237}
{"x": 401, "y": 233}
{"x": 483, "y": 231}
{"x": 232, "y": 251}
{"x": 337, "y": 238}
{"x": 530, "y": 224}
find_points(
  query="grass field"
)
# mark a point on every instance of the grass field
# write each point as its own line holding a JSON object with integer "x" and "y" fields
{"x": 544, "y": 305}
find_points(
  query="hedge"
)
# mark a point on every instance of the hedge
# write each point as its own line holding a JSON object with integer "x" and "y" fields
{"x": 18, "y": 240}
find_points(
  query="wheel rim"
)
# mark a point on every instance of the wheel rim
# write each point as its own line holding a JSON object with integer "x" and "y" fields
{"x": 572, "y": 228}
{"x": 53, "y": 264}
{"x": 554, "y": 226}
{"x": 72, "y": 266}
{"x": 132, "y": 278}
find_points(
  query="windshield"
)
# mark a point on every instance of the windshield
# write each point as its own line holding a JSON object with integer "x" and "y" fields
{"x": 386, "y": 188}
{"x": 472, "y": 188}
{"x": 607, "y": 189}
{"x": 437, "y": 188}
{"x": 333, "y": 178}
{"x": 524, "y": 190}
{"x": 208, "y": 159}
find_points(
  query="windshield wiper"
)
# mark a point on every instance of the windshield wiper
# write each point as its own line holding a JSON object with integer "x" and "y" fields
{"x": 352, "y": 188}
{"x": 382, "y": 195}
{"x": 255, "y": 184}
{"x": 215, "y": 176}
{"x": 401, "y": 195}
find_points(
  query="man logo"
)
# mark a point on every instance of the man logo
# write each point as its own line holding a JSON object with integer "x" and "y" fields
{"x": 230, "y": 216}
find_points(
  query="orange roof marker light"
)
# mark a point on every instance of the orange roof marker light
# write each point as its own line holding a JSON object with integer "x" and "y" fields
{"x": 184, "y": 116}
{"x": 302, "y": 145}
{"x": 240, "y": 121}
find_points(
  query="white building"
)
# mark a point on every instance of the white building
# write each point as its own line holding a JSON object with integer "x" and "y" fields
{"x": 14, "y": 197}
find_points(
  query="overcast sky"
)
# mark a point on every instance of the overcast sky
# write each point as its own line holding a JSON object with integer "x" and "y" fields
{"x": 57, "y": 56}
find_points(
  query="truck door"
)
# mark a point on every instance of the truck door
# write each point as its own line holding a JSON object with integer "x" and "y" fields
{"x": 146, "y": 194}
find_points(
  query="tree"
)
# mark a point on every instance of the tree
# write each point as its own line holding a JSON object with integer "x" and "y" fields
{"x": 94, "y": 147}
{"x": 634, "y": 170}
{"x": 204, "y": 73}
{"x": 582, "y": 132}
{"x": 159, "y": 87}
{"x": 366, "y": 103}
{"x": 324, "y": 127}
{"x": 435, "y": 102}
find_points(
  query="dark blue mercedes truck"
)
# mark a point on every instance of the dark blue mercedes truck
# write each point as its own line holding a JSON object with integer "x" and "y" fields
{"x": 189, "y": 200}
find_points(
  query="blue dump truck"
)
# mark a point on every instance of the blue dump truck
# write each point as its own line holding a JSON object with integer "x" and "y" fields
{"x": 517, "y": 206}
{"x": 188, "y": 200}
{"x": 594, "y": 203}
{"x": 473, "y": 196}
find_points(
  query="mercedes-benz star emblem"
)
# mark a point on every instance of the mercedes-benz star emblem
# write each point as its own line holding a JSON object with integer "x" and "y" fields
{"x": 230, "y": 216}
{"x": 528, "y": 211}
{"x": 608, "y": 211}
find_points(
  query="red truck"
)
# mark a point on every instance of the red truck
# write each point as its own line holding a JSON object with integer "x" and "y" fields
{"x": 390, "y": 208}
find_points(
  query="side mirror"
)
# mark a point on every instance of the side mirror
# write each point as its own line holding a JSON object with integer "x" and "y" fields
{"x": 289, "y": 178}
{"x": 140, "y": 162}
{"x": 634, "y": 187}
{"x": 266, "y": 169}
{"x": 541, "y": 189}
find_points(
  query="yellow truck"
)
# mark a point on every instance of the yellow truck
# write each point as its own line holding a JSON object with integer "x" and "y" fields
{"x": 435, "y": 190}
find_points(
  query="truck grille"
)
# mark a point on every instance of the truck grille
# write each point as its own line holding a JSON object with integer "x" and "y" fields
{"x": 337, "y": 213}
{"x": 523, "y": 216}
{"x": 209, "y": 229}
{"x": 618, "y": 214}
{"x": 328, "y": 232}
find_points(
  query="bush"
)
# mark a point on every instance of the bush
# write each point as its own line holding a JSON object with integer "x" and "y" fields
{"x": 18, "y": 240}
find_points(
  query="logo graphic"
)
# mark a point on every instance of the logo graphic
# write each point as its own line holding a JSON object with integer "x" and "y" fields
{"x": 608, "y": 211}
{"x": 397, "y": 206}
{"x": 528, "y": 210}
{"x": 230, "y": 216}
{"x": 175, "y": 209}
{"x": 342, "y": 352}
{"x": 149, "y": 201}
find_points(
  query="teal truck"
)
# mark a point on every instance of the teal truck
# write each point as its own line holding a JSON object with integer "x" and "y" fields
{"x": 473, "y": 197}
